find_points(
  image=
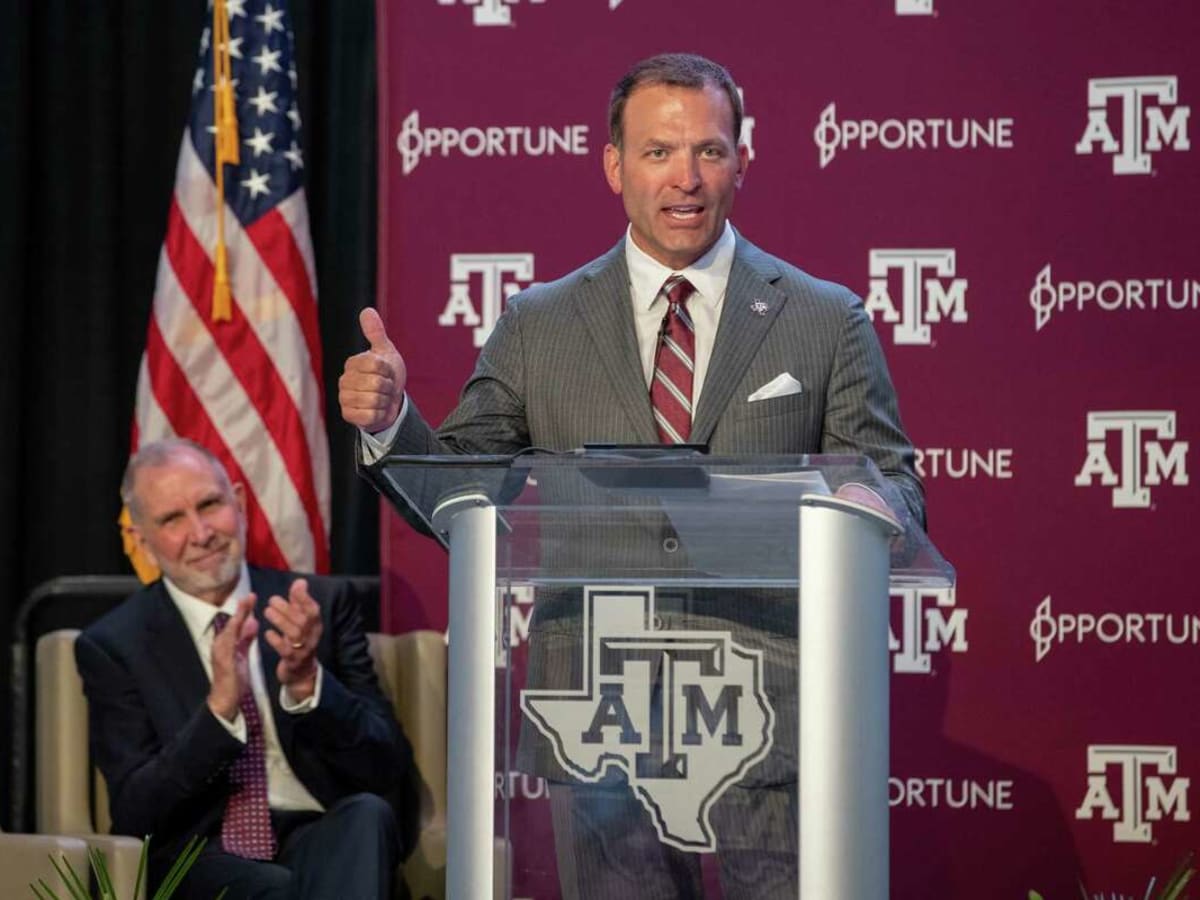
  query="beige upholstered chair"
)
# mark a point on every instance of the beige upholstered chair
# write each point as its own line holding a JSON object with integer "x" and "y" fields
{"x": 25, "y": 859}
{"x": 412, "y": 673}
{"x": 65, "y": 804}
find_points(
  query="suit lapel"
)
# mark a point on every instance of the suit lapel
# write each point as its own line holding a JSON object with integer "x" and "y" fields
{"x": 170, "y": 645}
{"x": 744, "y": 324}
{"x": 603, "y": 304}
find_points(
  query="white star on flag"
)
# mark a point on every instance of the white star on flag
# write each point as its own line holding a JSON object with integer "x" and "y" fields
{"x": 267, "y": 60}
{"x": 255, "y": 183}
{"x": 293, "y": 156}
{"x": 270, "y": 19}
{"x": 260, "y": 143}
{"x": 264, "y": 101}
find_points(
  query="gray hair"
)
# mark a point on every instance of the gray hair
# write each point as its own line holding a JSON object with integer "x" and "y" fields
{"x": 159, "y": 453}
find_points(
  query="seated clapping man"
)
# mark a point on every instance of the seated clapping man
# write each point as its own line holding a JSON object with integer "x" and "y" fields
{"x": 239, "y": 704}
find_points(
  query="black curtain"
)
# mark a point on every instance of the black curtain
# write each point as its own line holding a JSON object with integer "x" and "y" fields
{"x": 93, "y": 100}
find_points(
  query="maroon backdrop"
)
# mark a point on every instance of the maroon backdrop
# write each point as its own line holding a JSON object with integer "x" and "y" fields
{"x": 1011, "y": 186}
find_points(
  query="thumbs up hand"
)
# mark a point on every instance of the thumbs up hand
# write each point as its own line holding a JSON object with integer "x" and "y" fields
{"x": 371, "y": 389}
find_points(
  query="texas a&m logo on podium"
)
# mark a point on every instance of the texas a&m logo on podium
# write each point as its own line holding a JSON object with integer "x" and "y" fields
{"x": 682, "y": 713}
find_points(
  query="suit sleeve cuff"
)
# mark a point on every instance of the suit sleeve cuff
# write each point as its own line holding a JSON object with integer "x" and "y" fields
{"x": 302, "y": 706}
{"x": 375, "y": 446}
{"x": 237, "y": 727}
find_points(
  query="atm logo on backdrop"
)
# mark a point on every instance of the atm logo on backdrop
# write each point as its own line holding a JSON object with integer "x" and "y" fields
{"x": 914, "y": 8}
{"x": 1049, "y": 629}
{"x": 496, "y": 277}
{"x": 928, "y": 292}
{"x": 1149, "y": 118}
{"x": 833, "y": 135}
{"x": 929, "y": 623}
{"x": 682, "y": 713}
{"x": 1049, "y": 296}
{"x": 499, "y": 12}
{"x": 1147, "y": 455}
{"x": 1140, "y": 795}
{"x": 415, "y": 142}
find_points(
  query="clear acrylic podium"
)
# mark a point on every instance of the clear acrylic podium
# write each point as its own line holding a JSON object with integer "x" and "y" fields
{"x": 698, "y": 627}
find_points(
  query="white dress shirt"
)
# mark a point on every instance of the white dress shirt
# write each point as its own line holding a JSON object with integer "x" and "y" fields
{"x": 709, "y": 275}
{"x": 284, "y": 789}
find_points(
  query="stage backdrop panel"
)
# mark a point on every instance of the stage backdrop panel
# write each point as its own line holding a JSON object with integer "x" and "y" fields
{"x": 1011, "y": 185}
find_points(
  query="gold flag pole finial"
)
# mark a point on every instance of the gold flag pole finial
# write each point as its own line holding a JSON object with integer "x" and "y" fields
{"x": 225, "y": 144}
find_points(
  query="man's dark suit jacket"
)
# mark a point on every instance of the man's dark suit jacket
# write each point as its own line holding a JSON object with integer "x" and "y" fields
{"x": 164, "y": 754}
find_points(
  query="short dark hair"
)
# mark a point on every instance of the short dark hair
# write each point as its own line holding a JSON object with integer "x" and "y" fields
{"x": 159, "y": 453}
{"x": 687, "y": 70}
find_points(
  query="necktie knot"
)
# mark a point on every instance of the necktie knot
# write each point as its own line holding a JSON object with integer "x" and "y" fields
{"x": 219, "y": 621}
{"x": 678, "y": 289}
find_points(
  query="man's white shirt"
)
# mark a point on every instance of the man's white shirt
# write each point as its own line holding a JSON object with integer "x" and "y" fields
{"x": 284, "y": 789}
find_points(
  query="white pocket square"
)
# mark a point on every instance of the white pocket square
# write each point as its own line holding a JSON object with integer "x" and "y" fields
{"x": 782, "y": 386}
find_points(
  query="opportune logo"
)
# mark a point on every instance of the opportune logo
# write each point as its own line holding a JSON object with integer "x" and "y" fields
{"x": 1048, "y": 296}
{"x": 682, "y": 713}
{"x": 924, "y": 297}
{"x": 494, "y": 271}
{"x": 961, "y": 462}
{"x": 914, "y": 7}
{"x": 1145, "y": 128}
{"x": 416, "y": 143}
{"x": 1144, "y": 462}
{"x": 1145, "y": 796}
{"x": 925, "y": 629}
{"x": 908, "y": 134}
{"x": 1049, "y": 629}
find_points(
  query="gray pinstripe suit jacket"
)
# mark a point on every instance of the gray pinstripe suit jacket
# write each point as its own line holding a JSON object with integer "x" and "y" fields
{"x": 562, "y": 369}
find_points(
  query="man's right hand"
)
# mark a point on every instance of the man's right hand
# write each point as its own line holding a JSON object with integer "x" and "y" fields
{"x": 230, "y": 650}
{"x": 371, "y": 389}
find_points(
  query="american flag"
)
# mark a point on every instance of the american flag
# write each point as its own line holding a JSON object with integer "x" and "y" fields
{"x": 247, "y": 386}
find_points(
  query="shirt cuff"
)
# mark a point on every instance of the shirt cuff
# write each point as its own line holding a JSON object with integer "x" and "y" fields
{"x": 237, "y": 727}
{"x": 375, "y": 446}
{"x": 297, "y": 708}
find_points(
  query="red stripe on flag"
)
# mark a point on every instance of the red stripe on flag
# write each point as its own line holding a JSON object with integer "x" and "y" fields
{"x": 189, "y": 419}
{"x": 276, "y": 244}
{"x": 253, "y": 366}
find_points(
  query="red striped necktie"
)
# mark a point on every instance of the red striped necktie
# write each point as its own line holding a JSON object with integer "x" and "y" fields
{"x": 674, "y": 365}
{"x": 246, "y": 827}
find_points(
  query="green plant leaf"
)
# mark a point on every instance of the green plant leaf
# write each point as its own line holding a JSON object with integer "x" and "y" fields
{"x": 1034, "y": 895}
{"x": 141, "y": 873}
{"x": 184, "y": 862}
{"x": 44, "y": 892}
{"x": 100, "y": 869}
{"x": 75, "y": 885}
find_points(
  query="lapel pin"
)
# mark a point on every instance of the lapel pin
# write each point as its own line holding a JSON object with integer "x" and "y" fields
{"x": 759, "y": 308}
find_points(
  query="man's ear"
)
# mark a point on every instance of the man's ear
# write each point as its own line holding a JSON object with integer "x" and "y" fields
{"x": 612, "y": 167}
{"x": 743, "y": 156}
{"x": 239, "y": 495}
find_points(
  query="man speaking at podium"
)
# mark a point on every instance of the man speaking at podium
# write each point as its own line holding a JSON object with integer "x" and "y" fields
{"x": 684, "y": 332}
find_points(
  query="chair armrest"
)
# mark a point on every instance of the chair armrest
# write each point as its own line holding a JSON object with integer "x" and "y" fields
{"x": 25, "y": 858}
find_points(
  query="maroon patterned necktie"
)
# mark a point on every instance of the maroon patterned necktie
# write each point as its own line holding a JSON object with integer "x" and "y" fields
{"x": 674, "y": 364}
{"x": 246, "y": 827}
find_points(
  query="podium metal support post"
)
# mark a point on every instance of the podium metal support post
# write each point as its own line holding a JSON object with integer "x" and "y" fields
{"x": 843, "y": 740}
